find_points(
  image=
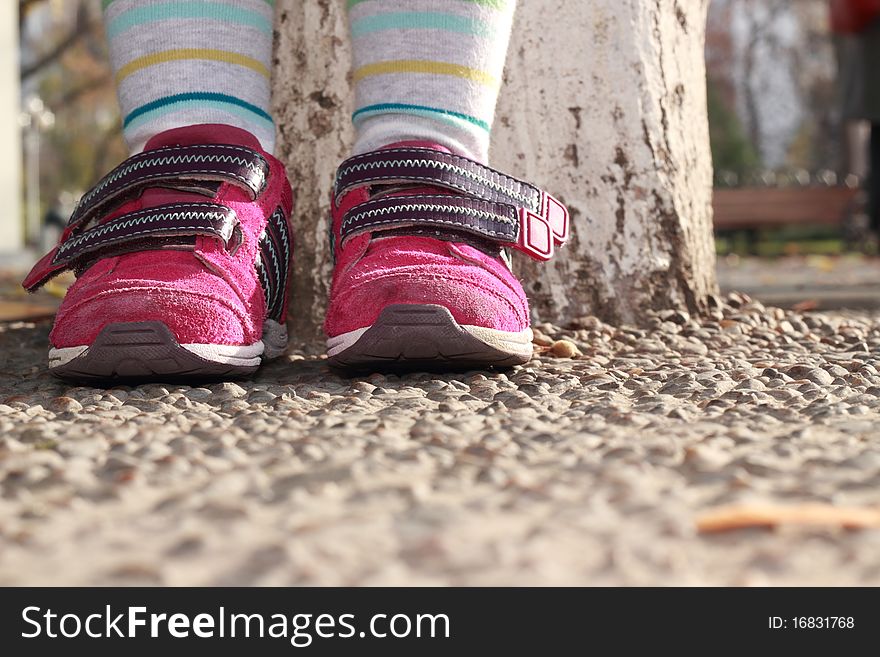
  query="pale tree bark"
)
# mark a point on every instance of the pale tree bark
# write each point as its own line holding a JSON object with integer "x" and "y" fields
{"x": 604, "y": 104}
{"x": 312, "y": 101}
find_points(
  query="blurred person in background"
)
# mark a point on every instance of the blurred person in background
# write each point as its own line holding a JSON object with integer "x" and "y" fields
{"x": 856, "y": 28}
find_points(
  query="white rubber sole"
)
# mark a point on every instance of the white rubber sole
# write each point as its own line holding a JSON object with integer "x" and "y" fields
{"x": 148, "y": 350}
{"x": 272, "y": 345}
{"x": 426, "y": 336}
{"x": 244, "y": 356}
{"x": 519, "y": 343}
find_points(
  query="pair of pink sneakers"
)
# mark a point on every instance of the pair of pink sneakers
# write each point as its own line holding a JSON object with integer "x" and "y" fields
{"x": 183, "y": 255}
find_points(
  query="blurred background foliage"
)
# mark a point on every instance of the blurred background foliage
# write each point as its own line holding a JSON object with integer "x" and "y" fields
{"x": 731, "y": 149}
{"x": 64, "y": 62}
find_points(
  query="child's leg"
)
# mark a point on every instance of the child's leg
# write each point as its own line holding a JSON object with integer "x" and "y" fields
{"x": 182, "y": 252}
{"x": 189, "y": 62}
{"x": 428, "y": 70}
{"x": 420, "y": 233}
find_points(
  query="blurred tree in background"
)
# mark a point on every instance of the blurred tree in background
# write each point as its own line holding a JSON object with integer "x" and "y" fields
{"x": 64, "y": 62}
{"x": 772, "y": 77}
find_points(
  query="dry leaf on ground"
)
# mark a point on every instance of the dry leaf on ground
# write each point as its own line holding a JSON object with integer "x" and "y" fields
{"x": 805, "y": 305}
{"x": 744, "y": 516}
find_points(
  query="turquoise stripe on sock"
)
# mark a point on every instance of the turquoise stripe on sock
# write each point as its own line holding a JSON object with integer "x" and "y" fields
{"x": 107, "y": 3}
{"x": 182, "y": 10}
{"x": 170, "y": 103}
{"x": 419, "y": 21}
{"x": 197, "y": 105}
{"x": 419, "y": 110}
{"x": 494, "y": 4}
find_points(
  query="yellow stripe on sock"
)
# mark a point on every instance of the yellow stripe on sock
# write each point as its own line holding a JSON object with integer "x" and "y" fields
{"x": 191, "y": 53}
{"x": 425, "y": 66}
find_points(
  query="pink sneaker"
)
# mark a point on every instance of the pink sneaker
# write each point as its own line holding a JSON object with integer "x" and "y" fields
{"x": 421, "y": 273}
{"x": 182, "y": 256}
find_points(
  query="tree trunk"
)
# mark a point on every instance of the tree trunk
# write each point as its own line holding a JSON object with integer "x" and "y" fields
{"x": 604, "y": 104}
{"x": 312, "y": 102}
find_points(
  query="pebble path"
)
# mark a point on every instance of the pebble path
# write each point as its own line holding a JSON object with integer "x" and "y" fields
{"x": 589, "y": 466}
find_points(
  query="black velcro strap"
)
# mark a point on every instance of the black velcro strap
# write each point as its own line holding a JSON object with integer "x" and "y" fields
{"x": 481, "y": 202}
{"x": 189, "y": 168}
{"x": 498, "y": 222}
{"x": 182, "y": 220}
{"x": 435, "y": 168}
{"x": 273, "y": 263}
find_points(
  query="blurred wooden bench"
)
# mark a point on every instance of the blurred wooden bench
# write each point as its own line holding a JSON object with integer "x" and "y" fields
{"x": 752, "y": 208}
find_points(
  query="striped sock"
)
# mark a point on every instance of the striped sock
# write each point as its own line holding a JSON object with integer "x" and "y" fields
{"x": 428, "y": 70}
{"x": 186, "y": 62}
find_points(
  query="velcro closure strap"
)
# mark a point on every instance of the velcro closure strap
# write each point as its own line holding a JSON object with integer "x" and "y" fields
{"x": 495, "y": 221}
{"x": 436, "y": 168}
{"x": 500, "y": 223}
{"x": 167, "y": 225}
{"x": 187, "y": 168}
{"x": 492, "y": 204}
